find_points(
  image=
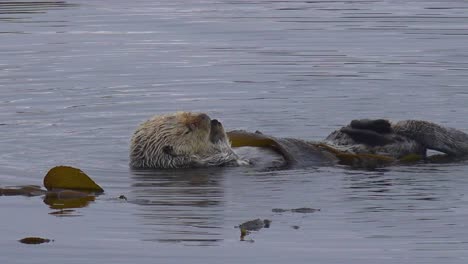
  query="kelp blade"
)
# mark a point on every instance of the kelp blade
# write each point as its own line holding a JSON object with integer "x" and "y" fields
{"x": 65, "y": 177}
{"x": 241, "y": 138}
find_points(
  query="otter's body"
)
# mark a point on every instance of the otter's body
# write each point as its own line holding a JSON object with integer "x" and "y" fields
{"x": 365, "y": 144}
{"x": 185, "y": 139}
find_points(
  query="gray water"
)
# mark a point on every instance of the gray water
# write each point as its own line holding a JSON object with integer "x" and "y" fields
{"x": 77, "y": 77}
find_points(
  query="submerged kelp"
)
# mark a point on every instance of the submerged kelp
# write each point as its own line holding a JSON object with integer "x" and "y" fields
{"x": 303, "y": 210}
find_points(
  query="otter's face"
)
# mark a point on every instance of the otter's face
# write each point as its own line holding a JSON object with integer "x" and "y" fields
{"x": 193, "y": 132}
{"x": 196, "y": 124}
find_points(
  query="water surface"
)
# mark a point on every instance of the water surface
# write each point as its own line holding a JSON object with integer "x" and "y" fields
{"x": 76, "y": 78}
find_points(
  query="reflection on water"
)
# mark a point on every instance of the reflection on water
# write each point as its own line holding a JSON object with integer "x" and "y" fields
{"x": 420, "y": 205}
{"x": 21, "y": 11}
{"x": 182, "y": 205}
{"x": 22, "y": 7}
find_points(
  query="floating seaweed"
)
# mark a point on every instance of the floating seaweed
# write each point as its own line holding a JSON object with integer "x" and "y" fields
{"x": 34, "y": 240}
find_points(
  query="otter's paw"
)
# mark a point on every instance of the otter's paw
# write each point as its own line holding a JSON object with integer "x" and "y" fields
{"x": 367, "y": 137}
{"x": 381, "y": 126}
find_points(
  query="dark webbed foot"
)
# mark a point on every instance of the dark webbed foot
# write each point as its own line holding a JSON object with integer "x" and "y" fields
{"x": 368, "y": 137}
{"x": 381, "y": 126}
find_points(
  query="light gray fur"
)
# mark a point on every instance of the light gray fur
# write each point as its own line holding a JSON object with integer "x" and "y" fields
{"x": 151, "y": 137}
{"x": 150, "y": 155}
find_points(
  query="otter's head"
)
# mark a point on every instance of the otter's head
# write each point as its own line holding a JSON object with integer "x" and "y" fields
{"x": 180, "y": 140}
{"x": 186, "y": 132}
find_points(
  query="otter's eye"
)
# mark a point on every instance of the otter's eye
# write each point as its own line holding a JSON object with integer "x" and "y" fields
{"x": 189, "y": 129}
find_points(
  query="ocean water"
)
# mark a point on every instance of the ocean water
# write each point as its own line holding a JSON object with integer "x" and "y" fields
{"x": 77, "y": 77}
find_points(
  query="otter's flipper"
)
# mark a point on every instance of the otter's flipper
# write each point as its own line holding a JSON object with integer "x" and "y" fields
{"x": 433, "y": 136}
{"x": 367, "y": 137}
{"x": 380, "y": 126}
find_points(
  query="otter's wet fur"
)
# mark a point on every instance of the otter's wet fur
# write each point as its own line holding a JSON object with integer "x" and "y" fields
{"x": 365, "y": 143}
{"x": 181, "y": 140}
{"x": 185, "y": 139}
{"x": 399, "y": 139}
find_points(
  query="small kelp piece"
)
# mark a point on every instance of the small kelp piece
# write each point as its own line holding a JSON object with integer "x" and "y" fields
{"x": 302, "y": 210}
{"x": 65, "y": 177}
{"x": 29, "y": 190}
{"x": 243, "y": 234}
{"x": 255, "y": 225}
{"x": 34, "y": 240}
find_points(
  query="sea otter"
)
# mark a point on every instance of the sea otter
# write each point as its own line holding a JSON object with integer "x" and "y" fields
{"x": 194, "y": 140}
{"x": 366, "y": 144}
{"x": 181, "y": 140}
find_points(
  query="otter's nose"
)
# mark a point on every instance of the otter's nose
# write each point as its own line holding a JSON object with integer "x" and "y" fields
{"x": 215, "y": 122}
